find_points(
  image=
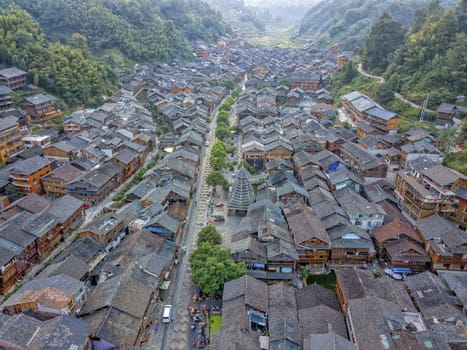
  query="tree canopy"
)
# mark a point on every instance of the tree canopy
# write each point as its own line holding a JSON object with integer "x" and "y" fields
{"x": 433, "y": 58}
{"x": 209, "y": 234}
{"x": 212, "y": 266}
{"x": 385, "y": 37}
{"x": 143, "y": 30}
{"x": 216, "y": 178}
{"x": 65, "y": 71}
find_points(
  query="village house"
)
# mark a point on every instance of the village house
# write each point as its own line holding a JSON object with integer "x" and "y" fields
{"x": 445, "y": 114}
{"x": 49, "y": 297}
{"x": 129, "y": 160}
{"x": 311, "y": 239}
{"x": 26, "y": 175}
{"x": 105, "y": 229}
{"x": 305, "y": 80}
{"x": 10, "y": 138}
{"x": 459, "y": 216}
{"x": 40, "y": 108}
{"x": 350, "y": 246}
{"x": 361, "y": 162}
{"x": 6, "y": 102}
{"x": 360, "y": 212}
{"x": 18, "y": 252}
{"x": 116, "y": 309}
{"x": 62, "y": 150}
{"x": 430, "y": 193}
{"x": 56, "y": 181}
{"x": 65, "y": 332}
{"x": 69, "y": 213}
{"x": 94, "y": 186}
{"x": 13, "y": 77}
{"x": 419, "y": 149}
{"x": 445, "y": 243}
{"x": 401, "y": 246}
{"x": 363, "y": 108}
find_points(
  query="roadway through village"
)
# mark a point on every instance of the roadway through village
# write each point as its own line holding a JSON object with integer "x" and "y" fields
{"x": 177, "y": 334}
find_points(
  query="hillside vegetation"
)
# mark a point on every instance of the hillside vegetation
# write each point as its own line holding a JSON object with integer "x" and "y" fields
{"x": 348, "y": 21}
{"x": 66, "y": 71}
{"x": 143, "y": 30}
{"x": 431, "y": 60}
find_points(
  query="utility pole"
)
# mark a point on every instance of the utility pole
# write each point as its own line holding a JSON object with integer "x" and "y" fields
{"x": 423, "y": 111}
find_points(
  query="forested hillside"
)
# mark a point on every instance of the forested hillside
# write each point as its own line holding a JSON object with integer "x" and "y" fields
{"x": 349, "y": 21}
{"x": 142, "y": 30}
{"x": 68, "y": 72}
{"x": 432, "y": 60}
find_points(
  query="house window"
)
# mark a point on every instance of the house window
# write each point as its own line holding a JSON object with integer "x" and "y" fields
{"x": 446, "y": 266}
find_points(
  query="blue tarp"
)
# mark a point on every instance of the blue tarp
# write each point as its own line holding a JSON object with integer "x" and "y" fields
{"x": 402, "y": 270}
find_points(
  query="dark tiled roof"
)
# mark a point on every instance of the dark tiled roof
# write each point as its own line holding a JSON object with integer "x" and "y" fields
{"x": 252, "y": 292}
{"x": 62, "y": 332}
{"x": 122, "y": 293}
{"x": 8, "y": 122}
{"x": 65, "y": 207}
{"x": 30, "y": 165}
{"x": 394, "y": 229}
{"x": 321, "y": 319}
{"x": 314, "y": 295}
{"x": 327, "y": 341}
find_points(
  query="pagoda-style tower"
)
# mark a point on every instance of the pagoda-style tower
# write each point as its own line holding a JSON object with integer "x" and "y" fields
{"x": 242, "y": 194}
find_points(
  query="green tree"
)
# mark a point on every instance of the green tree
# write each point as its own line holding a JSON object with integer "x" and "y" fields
{"x": 219, "y": 145}
{"x": 446, "y": 139}
{"x": 247, "y": 166}
{"x": 218, "y": 163}
{"x": 210, "y": 235}
{"x": 385, "y": 37}
{"x": 384, "y": 94}
{"x": 222, "y": 132}
{"x": 457, "y": 161}
{"x": 12, "y": 192}
{"x": 229, "y": 85}
{"x": 285, "y": 82}
{"x": 216, "y": 178}
{"x": 212, "y": 266}
{"x": 348, "y": 72}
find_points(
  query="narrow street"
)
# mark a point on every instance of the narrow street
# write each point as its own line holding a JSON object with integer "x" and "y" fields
{"x": 177, "y": 334}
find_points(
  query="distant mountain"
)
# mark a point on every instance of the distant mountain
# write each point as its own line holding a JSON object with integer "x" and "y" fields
{"x": 142, "y": 30}
{"x": 237, "y": 14}
{"x": 349, "y": 21}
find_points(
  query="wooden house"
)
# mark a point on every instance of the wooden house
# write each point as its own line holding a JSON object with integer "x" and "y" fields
{"x": 445, "y": 243}
{"x": 95, "y": 185}
{"x": 445, "y": 114}
{"x": 48, "y": 297}
{"x": 40, "y": 108}
{"x": 61, "y": 150}
{"x": 311, "y": 239}
{"x": 401, "y": 246}
{"x": 13, "y": 77}
{"x": 10, "y": 138}
{"x": 362, "y": 162}
{"x": 69, "y": 213}
{"x": 350, "y": 246}
{"x": 306, "y": 80}
{"x": 56, "y": 181}
{"x": 130, "y": 161}
{"x": 104, "y": 229}
{"x": 26, "y": 175}
{"x": 18, "y": 252}
{"x": 6, "y": 101}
